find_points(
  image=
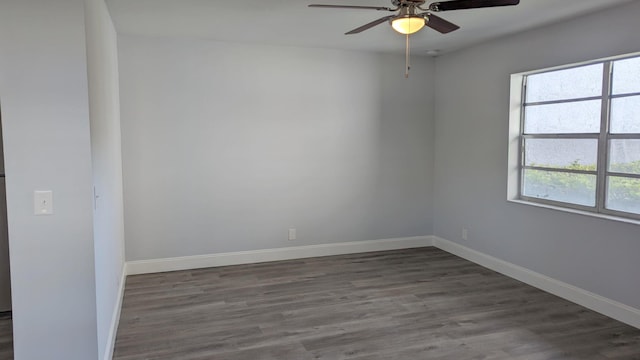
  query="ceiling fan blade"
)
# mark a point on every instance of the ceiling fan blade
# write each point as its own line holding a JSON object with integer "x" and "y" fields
{"x": 352, "y": 7}
{"x": 469, "y": 4}
{"x": 370, "y": 25}
{"x": 439, "y": 24}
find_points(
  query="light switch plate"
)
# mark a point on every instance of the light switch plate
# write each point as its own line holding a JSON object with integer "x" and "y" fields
{"x": 43, "y": 202}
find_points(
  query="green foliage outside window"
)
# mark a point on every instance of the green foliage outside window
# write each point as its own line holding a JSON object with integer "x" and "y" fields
{"x": 622, "y": 190}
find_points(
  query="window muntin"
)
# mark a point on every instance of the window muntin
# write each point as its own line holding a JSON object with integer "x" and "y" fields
{"x": 580, "y": 138}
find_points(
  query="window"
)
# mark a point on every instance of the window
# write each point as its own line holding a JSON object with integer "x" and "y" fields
{"x": 579, "y": 137}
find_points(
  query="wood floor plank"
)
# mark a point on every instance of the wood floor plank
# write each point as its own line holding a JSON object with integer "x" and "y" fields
{"x": 406, "y": 304}
{"x": 6, "y": 338}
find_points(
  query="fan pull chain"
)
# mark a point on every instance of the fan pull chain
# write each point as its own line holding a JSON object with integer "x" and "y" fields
{"x": 407, "y": 57}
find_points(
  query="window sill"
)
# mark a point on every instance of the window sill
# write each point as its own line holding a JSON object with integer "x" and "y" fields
{"x": 574, "y": 211}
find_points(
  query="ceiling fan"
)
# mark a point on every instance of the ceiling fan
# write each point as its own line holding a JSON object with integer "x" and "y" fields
{"x": 411, "y": 16}
{"x": 409, "y": 19}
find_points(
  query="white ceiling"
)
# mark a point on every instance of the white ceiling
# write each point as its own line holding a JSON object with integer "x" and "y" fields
{"x": 291, "y": 22}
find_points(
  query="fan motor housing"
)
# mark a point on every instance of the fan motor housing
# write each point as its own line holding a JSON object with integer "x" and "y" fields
{"x": 406, "y": 3}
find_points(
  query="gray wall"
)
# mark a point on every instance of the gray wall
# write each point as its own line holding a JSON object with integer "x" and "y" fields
{"x": 108, "y": 217}
{"x": 45, "y": 120}
{"x": 471, "y": 132}
{"x": 226, "y": 146}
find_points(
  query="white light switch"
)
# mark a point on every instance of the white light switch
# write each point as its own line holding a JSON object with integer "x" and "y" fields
{"x": 43, "y": 202}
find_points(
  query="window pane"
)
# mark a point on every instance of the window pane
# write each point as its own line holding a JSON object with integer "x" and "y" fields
{"x": 580, "y": 82}
{"x": 626, "y": 76}
{"x": 623, "y": 194}
{"x": 625, "y": 115}
{"x": 566, "y": 118}
{"x": 576, "y": 154}
{"x": 624, "y": 156}
{"x": 565, "y": 187}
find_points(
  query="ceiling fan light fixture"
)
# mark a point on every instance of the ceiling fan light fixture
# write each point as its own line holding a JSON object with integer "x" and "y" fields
{"x": 407, "y": 24}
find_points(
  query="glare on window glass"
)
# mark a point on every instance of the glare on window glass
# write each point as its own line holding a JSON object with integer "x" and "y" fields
{"x": 626, "y": 76}
{"x": 624, "y": 156}
{"x": 625, "y": 115}
{"x": 563, "y": 118}
{"x": 579, "y": 82}
{"x": 570, "y": 154}
{"x": 560, "y": 186}
{"x": 623, "y": 194}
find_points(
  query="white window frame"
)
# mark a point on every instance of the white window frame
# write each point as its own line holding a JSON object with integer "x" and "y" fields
{"x": 517, "y": 141}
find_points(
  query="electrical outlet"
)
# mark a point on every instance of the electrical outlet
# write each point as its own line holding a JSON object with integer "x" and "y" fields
{"x": 43, "y": 202}
{"x": 465, "y": 234}
{"x": 292, "y": 234}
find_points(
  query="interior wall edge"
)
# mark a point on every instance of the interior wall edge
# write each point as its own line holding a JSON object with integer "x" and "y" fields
{"x": 115, "y": 319}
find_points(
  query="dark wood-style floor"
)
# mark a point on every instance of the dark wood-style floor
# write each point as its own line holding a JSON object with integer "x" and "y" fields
{"x": 6, "y": 337}
{"x": 409, "y": 304}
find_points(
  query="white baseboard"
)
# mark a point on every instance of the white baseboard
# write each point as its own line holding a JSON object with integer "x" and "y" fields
{"x": 288, "y": 253}
{"x": 115, "y": 319}
{"x": 595, "y": 302}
